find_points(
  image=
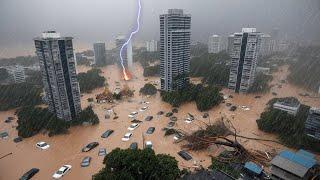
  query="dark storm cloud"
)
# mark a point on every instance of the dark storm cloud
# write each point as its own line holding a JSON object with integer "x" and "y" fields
{"x": 93, "y": 20}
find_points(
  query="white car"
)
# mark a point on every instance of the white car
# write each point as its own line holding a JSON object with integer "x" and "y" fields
{"x": 133, "y": 126}
{"x": 132, "y": 114}
{"x": 126, "y": 137}
{"x": 143, "y": 108}
{"x": 42, "y": 145}
{"x": 188, "y": 120}
{"x": 149, "y": 144}
{"x": 62, "y": 171}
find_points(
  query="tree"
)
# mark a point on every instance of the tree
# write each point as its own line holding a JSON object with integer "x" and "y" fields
{"x": 289, "y": 128}
{"x": 213, "y": 68}
{"x": 305, "y": 71}
{"x": 3, "y": 74}
{"x": 151, "y": 70}
{"x": 90, "y": 80}
{"x": 148, "y": 89}
{"x": 261, "y": 83}
{"x": 86, "y": 115}
{"x": 16, "y": 95}
{"x": 138, "y": 164}
{"x": 205, "y": 97}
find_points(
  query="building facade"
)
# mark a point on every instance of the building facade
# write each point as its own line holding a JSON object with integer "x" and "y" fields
{"x": 214, "y": 44}
{"x": 99, "y": 50}
{"x": 230, "y": 44}
{"x": 246, "y": 46}
{"x": 175, "y": 34}
{"x": 126, "y": 53}
{"x": 266, "y": 45}
{"x": 312, "y": 124}
{"x": 57, "y": 64}
{"x": 152, "y": 46}
{"x": 16, "y": 74}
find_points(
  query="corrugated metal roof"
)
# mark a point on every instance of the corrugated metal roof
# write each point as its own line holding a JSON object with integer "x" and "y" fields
{"x": 298, "y": 158}
{"x": 253, "y": 167}
{"x": 306, "y": 153}
{"x": 289, "y": 166}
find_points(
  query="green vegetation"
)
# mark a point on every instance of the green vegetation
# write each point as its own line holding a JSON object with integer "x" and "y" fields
{"x": 212, "y": 67}
{"x": 305, "y": 71}
{"x": 151, "y": 71}
{"x": 148, "y": 89}
{"x": 90, "y": 80}
{"x": 138, "y": 164}
{"x": 34, "y": 77}
{"x": 289, "y": 128}
{"x": 16, "y": 95}
{"x": 224, "y": 167}
{"x": 86, "y": 116}
{"x": 261, "y": 84}
{"x": 205, "y": 96}
{"x": 3, "y": 74}
{"x": 198, "y": 49}
{"x": 146, "y": 58}
{"x": 20, "y": 60}
{"x": 32, "y": 120}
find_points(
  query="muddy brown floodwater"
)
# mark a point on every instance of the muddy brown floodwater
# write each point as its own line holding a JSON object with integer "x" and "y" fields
{"x": 66, "y": 149}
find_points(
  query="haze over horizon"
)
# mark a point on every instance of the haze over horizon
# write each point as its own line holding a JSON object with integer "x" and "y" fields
{"x": 97, "y": 20}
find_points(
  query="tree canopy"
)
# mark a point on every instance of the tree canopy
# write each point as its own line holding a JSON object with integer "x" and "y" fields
{"x": 16, "y": 95}
{"x": 261, "y": 83}
{"x": 289, "y": 128}
{"x": 32, "y": 120}
{"x": 90, "y": 80}
{"x": 213, "y": 68}
{"x": 3, "y": 74}
{"x": 148, "y": 89}
{"x": 138, "y": 164}
{"x": 205, "y": 96}
{"x": 305, "y": 71}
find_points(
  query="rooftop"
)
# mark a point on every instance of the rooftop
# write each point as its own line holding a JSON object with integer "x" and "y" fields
{"x": 296, "y": 163}
{"x": 253, "y": 167}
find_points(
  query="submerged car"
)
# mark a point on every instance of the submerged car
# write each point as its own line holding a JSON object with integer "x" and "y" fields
{"x": 126, "y": 137}
{"x": 143, "y": 108}
{"x": 133, "y": 126}
{"x": 107, "y": 133}
{"x": 184, "y": 155}
{"x": 102, "y": 152}
{"x": 134, "y": 145}
{"x": 90, "y": 146}
{"x": 169, "y": 114}
{"x": 86, "y": 161}
{"x": 28, "y": 175}
{"x": 148, "y": 118}
{"x": 148, "y": 144}
{"x": 62, "y": 171}
{"x": 151, "y": 130}
{"x": 42, "y": 145}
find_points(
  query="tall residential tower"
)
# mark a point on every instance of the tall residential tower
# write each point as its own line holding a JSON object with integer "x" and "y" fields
{"x": 175, "y": 34}
{"x": 99, "y": 50}
{"x": 214, "y": 44}
{"x": 57, "y": 64}
{"x": 246, "y": 46}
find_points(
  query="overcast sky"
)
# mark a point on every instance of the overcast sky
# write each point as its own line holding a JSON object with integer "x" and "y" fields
{"x": 102, "y": 20}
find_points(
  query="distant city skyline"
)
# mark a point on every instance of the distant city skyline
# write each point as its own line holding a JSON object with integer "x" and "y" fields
{"x": 20, "y": 21}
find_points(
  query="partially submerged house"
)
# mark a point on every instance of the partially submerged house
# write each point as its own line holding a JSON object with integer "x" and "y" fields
{"x": 288, "y": 165}
{"x": 289, "y": 105}
{"x": 312, "y": 124}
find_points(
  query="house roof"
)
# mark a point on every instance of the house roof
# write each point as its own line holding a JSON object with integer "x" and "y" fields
{"x": 253, "y": 167}
{"x": 296, "y": 163}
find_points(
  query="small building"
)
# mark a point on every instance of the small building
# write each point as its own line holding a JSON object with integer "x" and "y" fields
{"x": 289, "y": 105}
{"x": 312, "y": 124}
{"x": 263, "y": 70}
{"x": 293, "y": 166}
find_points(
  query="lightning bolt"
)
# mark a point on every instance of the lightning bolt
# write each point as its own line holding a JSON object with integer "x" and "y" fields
{"x": 126, "y": 76}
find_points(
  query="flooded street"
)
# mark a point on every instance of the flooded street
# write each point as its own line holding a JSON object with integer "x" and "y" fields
{"x": 66, "y": 149}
